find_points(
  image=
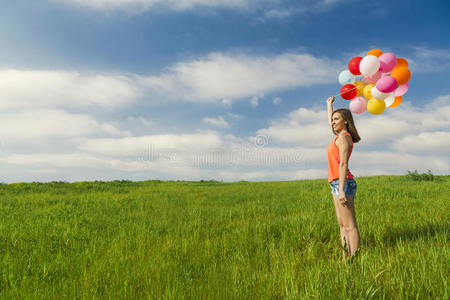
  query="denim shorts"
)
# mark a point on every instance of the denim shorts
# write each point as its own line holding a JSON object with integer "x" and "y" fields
{"x": 349, "y": 187}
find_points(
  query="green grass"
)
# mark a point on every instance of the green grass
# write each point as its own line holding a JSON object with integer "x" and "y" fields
{"x": 175, "y": 240}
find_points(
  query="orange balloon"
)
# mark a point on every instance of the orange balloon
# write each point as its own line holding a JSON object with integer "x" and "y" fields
{"x": 397, "y": 101}
{"x": 401, "y": 62}
{"x": 376, "y": 52}
{"x": 403, "y": 75}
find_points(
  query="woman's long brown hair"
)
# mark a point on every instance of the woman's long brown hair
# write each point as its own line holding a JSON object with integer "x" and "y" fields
{"x": 351, "y": 128}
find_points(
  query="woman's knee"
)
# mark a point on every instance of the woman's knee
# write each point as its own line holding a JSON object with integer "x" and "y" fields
{"x": 350, "y": 227}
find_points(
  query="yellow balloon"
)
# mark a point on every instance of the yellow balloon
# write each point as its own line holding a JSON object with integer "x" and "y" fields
{"x": 367, "y": 90}
{"x": 376, "y": 107}
{"x": 359, "y": 88}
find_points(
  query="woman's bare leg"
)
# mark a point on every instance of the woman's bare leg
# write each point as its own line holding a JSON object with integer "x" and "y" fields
{"x": 344, "y": 239}
{"x": 350, "y": 227}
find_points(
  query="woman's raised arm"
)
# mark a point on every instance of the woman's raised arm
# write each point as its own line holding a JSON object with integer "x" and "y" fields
{"x": 330, "y": 101}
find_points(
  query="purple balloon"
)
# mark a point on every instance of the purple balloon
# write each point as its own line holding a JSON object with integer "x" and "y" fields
{"x": 387, "y": 62}
{"x": 386, "y": 84}
{"x": 358, "y": 105}
{"x": 401, "y": 90}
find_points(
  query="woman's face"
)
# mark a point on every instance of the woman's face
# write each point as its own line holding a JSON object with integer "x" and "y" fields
{"x": 337, "y": 122}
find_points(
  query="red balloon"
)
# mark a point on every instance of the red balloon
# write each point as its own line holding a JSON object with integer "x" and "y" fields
{"x": 353, "y": 65}
{"x": 348, "y": 91}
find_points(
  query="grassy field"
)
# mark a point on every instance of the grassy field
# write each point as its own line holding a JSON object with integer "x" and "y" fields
{"x": 213, "y": 240}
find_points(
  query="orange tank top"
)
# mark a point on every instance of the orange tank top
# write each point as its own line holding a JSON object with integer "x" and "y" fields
{"x": 334, "y": 161}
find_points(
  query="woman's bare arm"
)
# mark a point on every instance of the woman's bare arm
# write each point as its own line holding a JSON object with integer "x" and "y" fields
{"x": 344, "y": 145}
{"x": 330, "y": 101}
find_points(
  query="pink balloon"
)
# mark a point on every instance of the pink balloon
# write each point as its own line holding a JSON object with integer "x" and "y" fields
{"x": 386, "y": 84}
{"x": 373, "y": 78}
{"x": 358, "y": 105}
{"x": 387, "y": 62}
{"x": 401, "y": 90}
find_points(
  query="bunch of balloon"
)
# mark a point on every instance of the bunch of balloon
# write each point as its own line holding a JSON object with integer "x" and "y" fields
{"x": 374, "y": 82}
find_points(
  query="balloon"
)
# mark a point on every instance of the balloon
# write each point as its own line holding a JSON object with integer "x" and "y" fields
{"x": 367, "y": 90}
{"x": 376, "y": 94}
{"x": 401, "y": 90}
{"x": 346, "y": 77}
{"x": 369, "y": 65}
{"x": 386, "y": 84}
{"x": 376, "y": 107}
{"x": 373, "y": 78}
{"x": 359, "y": 88}
{"x": 401, "y": 62}
{"x": 348, "y": 91}
{"x": 402, "y": 75}
{"x": 397, "y": 101}
{"x": 353, "y": 65}
{"x": 387, "y": 62}
{"x": 374, "y": 82}
{"x": 358, "y": 105}
{"x": 376, "y": 52}
{"x": 390, "y": 99}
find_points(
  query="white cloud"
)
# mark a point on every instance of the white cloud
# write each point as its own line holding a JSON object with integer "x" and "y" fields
{"x": 404, "y": 138}
{"x": 208, "y": 147}
{"x": 69, "y": 163}
{"x": 80, "y": 166}
{"x": 309, "y": 127}
{"x": 441, "y": 101}
{"x": 397, "y": 162}
{"x": 141, "y": 120}
{"x": 227, "y": 102}
{"x": 138, "y": 145}
{"x": 141, "y": 5}
{"x": 145, "y": 122}
{"x": 208, "y": 155}
{"x": 279, "y": 13}
{"x": 218, "y": 122}
{"x": 277, "y": 9}
{"x": 38, "y": 123}
{"x": 235, "y": 116}
{"x": 50, "y": 89}
{"x": 55, "y": 160}
{"x": 254, "y": 102}
{"x": 301, "y": 127}
{"x": 304, "y": 152}
{"x": 429, "y": 60}
{"x": 276, "y": 100}
{"x": 282, "y": 10}
{"x": 428, "y": 142}
{"x": 237, "y": 76}
{"x": 216, "y": 78}
{"x": 264, "y": 175}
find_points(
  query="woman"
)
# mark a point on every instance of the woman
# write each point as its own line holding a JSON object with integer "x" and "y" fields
{"x": 343, "y": 186}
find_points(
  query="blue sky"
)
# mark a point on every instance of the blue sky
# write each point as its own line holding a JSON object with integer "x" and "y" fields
{"x": 86, "y": 87}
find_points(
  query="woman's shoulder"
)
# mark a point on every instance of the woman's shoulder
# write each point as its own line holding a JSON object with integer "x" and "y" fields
{"x": 344, "y": 136}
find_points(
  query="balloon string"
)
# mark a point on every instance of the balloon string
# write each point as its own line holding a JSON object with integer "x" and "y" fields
{"x": 347, "y": 91}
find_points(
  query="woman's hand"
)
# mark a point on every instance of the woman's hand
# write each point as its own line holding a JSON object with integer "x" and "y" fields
{"x": 330, "y": 100}
{"x": 342, "y": 199}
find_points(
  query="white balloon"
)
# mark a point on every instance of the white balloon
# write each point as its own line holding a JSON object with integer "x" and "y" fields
{"x": 376, "y": 94}
{"x": 346, "y": 77}
{"x": 369, "y": 65}
{"x": 389, "y": 99}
